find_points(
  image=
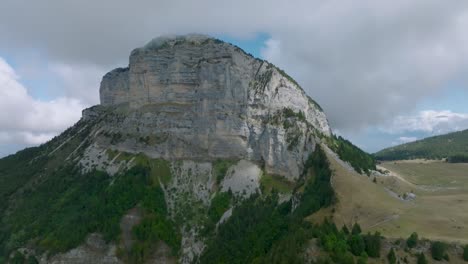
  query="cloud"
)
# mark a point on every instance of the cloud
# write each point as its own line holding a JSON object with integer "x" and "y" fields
{"x": 78, "y": 81}
{"x": 27, "y": 121}
{"x": 407, "y": 139}
{"x": 429, "y": 121}
{"x": 364, "y": 61}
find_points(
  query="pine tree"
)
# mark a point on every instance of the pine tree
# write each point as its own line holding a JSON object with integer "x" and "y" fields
{"x": 356, "y": 229}
{"x": 391, "y": 257}
{"x": 412, "y": 241}
{"x": 465, "y": 253}
{"x": 422, "y": 258}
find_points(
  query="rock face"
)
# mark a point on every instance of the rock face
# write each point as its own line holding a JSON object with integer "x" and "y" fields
{"x": 198, "y": 98}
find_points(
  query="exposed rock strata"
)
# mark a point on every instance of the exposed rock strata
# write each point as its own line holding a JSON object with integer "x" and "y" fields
{"x": 194, "y": 97}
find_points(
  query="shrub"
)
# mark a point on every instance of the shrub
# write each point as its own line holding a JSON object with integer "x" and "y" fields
{"x": 356, "y": 244}
{"x": 32, "y": 260}
{"x": 421, "y": 259}
{"x": 18, "y": 258}
{"x": 391, "y": 257}
{"x": 438, "y": 250}
{"x": 362, "y": 259}
{"x": 372, "y": 244}
{"x": 356, "y": 229}
{"x": 412, "y": 241}
{"x": 345, "y": 230}
{"x": 465, "y": 253}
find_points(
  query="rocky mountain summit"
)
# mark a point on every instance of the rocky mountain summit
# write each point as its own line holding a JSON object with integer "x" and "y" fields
{"x": 195, "y": 97}
{"x": 198, "y": 153}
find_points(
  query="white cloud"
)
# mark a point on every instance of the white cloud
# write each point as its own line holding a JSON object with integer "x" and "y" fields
{"x": 429, "y": 121}
{"x": 25, "y": 120}
{"x": 364, "y": 61}
{"x": 407, "y": 139}
{"x": 79, "y": 81}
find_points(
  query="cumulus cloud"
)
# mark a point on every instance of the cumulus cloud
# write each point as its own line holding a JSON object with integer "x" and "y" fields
{"x": 367, "y": 62}
{"x": 27, "y": 121}
{"x": 364, "y": 61}
{"x": 429, "y": 121}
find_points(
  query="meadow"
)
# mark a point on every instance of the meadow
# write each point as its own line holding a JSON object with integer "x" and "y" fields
{"x": 377, "y": 202}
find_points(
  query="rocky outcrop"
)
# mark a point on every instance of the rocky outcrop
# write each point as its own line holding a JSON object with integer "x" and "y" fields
{"x": 198, "y": 98}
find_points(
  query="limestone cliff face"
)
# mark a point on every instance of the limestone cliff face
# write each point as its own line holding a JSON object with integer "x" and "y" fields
{"x": 198, "y": 98}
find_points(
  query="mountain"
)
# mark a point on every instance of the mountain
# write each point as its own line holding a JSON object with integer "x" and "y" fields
{"x": 198, "y": 152}
{"x": 452, "y": 146}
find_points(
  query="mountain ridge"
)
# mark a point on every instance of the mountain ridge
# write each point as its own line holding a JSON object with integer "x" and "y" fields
{"x": 436, "y": 147}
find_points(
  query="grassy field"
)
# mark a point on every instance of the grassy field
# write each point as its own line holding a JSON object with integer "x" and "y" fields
{"x": 439, "y": 211}
{"x": 440, "y": 176}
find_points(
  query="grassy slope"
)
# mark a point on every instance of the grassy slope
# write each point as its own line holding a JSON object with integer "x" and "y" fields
{"x": 438, "y": 212}
{"x": 440, "y": 208}
{"x": 430, "y": 148}
{"x": 359, "y": 199}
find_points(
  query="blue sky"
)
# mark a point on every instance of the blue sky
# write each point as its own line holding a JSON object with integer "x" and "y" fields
{"x": 392, "y": 74}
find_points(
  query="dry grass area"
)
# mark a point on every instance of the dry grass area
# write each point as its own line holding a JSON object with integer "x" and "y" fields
{"x": 439, "y": 211}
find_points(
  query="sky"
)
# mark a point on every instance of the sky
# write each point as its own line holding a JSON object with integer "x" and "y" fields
{"x": 385, "y": 72}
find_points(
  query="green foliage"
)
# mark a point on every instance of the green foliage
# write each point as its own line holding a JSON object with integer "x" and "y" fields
{"x": 248, "y": 234}
{"x": 465, "y": 253}
{"x": 16, "y": 170}
{"x": 438, "y": 250}
{"x": 152, "y": 228}
{"x": 289, "y": 113}
{"x": 220, "y": 168}
{"x": 412, "y": 241}
{"x": 458, "y": 159}
{"x": 373, "y": 244}
{"x": 18, "y": 258}
{"x": 362, "y": 260}
{"x": 32, "y": 260}
{"x": 438, "y": 147}
{"x": 160, "y": 170}
{"x": 356, "y": 244}
{"x": 289, "y": 247}
{"x": 262, "y": 231}
{"x": 345, "y": 230}
{"x": 421, "y": 258}
{"x": 219, "y": 204}
{"x": 271, "y": 183}
{"x": 66, "y": 206}
{"x": 361, "y": 161}
{"x": 391, "y": 257}
{"x": 318, "y": 191}
{"x": 356, "y": 229}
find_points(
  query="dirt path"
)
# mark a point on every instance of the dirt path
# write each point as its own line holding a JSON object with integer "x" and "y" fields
{"x": 386, "y": 219}
{"x": 398, "y": 176}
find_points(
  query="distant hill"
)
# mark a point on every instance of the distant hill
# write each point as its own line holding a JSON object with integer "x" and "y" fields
{"x": 453, "y": 146}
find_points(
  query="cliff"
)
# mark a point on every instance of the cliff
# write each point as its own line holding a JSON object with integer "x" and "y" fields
{"x": 198, "y": 98}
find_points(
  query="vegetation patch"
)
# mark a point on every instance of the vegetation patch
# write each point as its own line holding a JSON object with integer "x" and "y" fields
{"x": 262, "y": 231}
{"x": 220, "y": 203}
{"x": 220, "y": 168}
{"x": 438, "y": 147}
{"x": 458, "y": 159}
{"x": 361, "y": 161}
{"x": 270, "y": 183}
{"x": 155, "y": 226}
{"x": 64, "y": 208}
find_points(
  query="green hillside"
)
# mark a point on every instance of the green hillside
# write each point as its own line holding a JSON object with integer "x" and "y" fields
{"x": 453, "y": 146}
